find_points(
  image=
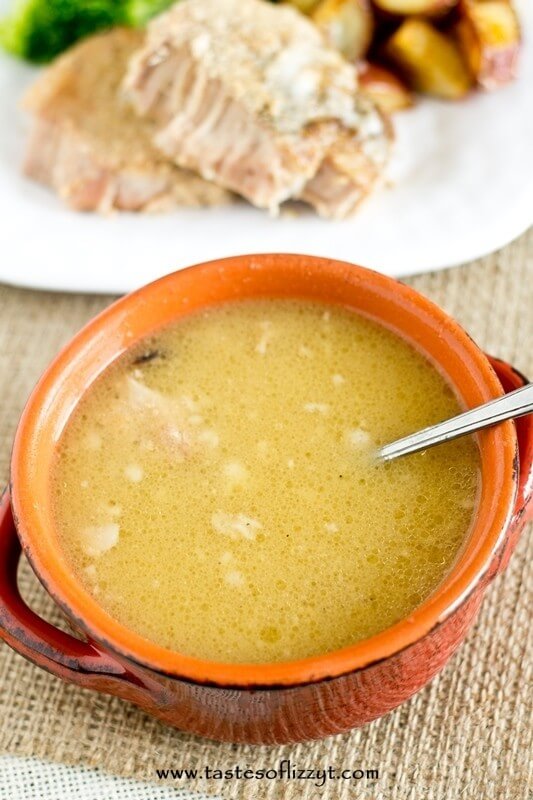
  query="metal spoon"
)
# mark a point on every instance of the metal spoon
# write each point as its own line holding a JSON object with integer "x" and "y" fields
{"x": 510, "y": 406}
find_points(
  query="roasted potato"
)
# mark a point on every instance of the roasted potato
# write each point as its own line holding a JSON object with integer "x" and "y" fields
{"x": 347, "y": 24}
{"x": 426, "y": 8}
{"x": 387, "y": 91}
{"x": 488, "y": 32}
{"x": 305, "y": 6}
{"x": 441, "y": 47}
{"x": 431, "y": 61}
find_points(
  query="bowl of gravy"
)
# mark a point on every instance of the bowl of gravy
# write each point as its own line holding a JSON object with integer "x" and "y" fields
{"x": 194, "y": 481}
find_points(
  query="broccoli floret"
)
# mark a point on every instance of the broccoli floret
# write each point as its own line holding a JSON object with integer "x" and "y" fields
{"x": 39, "y": 30}
{"x": 140, "y": 11}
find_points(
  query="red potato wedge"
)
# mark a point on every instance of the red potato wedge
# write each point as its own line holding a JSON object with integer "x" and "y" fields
{"x": 384, "y": 88}
{"x": 348, "y": 25}
{"x": 488, "y": 32}
{"x": 425, "y": 8}
{"x": 431, "y": 61}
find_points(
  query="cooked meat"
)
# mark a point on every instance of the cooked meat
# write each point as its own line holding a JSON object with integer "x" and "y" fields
{"x": 90, "y": 146}
{"x": 248, "y": 94}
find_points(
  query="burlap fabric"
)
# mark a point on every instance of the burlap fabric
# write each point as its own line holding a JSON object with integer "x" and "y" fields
{"x": 467, "y": 735}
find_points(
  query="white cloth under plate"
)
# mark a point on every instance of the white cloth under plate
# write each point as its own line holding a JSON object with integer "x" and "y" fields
{"x": 30, "y": 779}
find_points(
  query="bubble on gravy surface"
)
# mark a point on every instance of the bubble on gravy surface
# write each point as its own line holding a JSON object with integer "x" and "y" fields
{"x": 220, "y": 497}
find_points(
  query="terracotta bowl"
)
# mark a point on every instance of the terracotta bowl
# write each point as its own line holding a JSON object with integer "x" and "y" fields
{"x": 269, "y": 703}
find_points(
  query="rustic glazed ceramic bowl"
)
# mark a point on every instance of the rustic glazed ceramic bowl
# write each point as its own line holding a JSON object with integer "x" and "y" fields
{"x": 269, "y": 703}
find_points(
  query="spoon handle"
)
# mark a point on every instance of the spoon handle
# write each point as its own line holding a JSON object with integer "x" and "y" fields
{"x": 509, "y": 406}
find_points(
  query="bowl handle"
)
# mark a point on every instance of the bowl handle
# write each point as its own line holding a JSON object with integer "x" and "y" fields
{"x": 511, "y": 379}
{"x": 73, "y": 660}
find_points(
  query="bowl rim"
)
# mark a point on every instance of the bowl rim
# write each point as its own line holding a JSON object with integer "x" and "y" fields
{"x": 34, "y": 444}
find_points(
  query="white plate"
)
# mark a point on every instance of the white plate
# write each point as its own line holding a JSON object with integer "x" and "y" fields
{"x": 462, "y": 186}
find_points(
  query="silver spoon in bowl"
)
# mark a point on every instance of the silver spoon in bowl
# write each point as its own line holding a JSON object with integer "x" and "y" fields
{"x": 509, "y": 406}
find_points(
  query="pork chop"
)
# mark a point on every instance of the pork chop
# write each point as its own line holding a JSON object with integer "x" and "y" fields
{"x": 249, "y": 95}
{"x": 90, "y": 146}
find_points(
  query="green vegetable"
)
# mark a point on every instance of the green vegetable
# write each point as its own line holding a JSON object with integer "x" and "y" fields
{"x": 39, "y": 30}
{"x": 139, "y": 12}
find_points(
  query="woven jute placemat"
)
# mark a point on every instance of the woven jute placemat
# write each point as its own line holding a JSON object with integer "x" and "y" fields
{"x": 467, "y": 735}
